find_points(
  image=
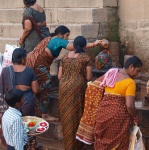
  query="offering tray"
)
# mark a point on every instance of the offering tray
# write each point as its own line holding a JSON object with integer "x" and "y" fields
{"x": 33, "y": 131}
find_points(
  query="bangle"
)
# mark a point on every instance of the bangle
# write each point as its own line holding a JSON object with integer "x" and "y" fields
{"x": 93, "y": 45}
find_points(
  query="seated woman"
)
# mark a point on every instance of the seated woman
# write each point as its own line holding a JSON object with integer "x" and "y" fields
{"x": 42, "y": 57}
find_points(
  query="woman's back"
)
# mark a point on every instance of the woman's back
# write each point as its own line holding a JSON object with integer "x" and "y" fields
{"x": 75, "y": 67}
{"x": 123, "y": 87}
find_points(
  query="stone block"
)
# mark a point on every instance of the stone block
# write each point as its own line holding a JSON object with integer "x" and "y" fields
{"x": 81, "y": 15}
{"x": 86, "y": 30}
{"x": 54, "y": 132}
{"x": 110, "y": 3}
{"x": 17, "y": 4}
{"x": 11, "y": 30}
{"x": 73, "y": 4}
{"x": 11, "y": 4}
{"x": 144, "y": 24}
{"x": 11, "y": 15}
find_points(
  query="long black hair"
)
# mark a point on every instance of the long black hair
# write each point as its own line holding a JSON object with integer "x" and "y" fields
{"x": 79, "y": 43}
{"x": 134, "y": 60}
{"x": 17, "y": 55}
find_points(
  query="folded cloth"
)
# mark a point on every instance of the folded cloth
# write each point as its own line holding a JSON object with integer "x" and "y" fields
{"x": 110, "y": 78}
{"x": 93, "y": 95}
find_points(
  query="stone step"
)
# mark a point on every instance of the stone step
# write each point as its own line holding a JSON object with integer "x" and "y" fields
{"x": 47, "y": 144}
{"x": 10, "y": 33}
{"x": 12, "y": 30}
{"x": 62, "y": 4}
{"x": 54, "y": 4}
{"x": 17, "y": 4}
{"x": 59, "y": 15}
{"x": 54, "y": 132}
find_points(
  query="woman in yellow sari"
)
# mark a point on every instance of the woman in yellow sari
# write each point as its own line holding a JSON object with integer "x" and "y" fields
{"x": 117, "y": 110}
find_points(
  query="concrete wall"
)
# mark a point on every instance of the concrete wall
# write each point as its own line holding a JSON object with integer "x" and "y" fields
{"x": 134, "y": 28}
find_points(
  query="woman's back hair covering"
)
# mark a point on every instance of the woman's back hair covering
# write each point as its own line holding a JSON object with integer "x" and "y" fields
{"x": 79, "y": 43}
{"x": 17, "y": 55}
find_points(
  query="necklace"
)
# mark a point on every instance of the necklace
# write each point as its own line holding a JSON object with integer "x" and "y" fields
{"x": 123, "y": 73}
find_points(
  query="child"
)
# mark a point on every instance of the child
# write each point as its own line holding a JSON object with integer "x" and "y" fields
{"x": 13, "y": 129}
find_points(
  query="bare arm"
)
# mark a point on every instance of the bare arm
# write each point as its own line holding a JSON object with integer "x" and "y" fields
{"x": 60, "y": 73}
{"x": 26, "y": 31}
{"x": 130, "y": 104}
{"x": 35, "y": 87}
{"x": 88, "y": 45}
{"x": 88, "y": 73}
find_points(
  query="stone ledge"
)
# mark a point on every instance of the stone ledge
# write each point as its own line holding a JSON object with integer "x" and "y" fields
{"x": 77, "y": 4}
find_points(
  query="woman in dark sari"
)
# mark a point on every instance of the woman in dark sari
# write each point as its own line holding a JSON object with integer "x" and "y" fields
{"x": 34, "y": 25}
{"x": 20, "y": 77}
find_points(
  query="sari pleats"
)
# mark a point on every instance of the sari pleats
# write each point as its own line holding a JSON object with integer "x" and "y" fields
{"x": 112, "y": 124}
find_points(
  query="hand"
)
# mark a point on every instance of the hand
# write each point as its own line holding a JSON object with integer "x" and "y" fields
{"x": 104, "y": 43}
{"x": 96, "y": 42}
{"x": 21, "y": 41}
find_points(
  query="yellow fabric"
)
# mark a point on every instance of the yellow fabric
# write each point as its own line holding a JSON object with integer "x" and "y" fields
{"x": 126, "y": 87}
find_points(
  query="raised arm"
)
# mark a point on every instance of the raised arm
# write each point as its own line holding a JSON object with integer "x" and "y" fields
{"x": 88, "y": 45}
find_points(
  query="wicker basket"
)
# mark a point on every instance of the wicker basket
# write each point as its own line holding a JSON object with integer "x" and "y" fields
{"x": 34, "y": 118}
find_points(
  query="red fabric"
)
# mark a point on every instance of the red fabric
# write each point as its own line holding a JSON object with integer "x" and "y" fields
{"x": 112, "y": 123}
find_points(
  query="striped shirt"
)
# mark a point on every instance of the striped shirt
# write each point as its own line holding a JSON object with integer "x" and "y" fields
{"x": 13, "y": 129}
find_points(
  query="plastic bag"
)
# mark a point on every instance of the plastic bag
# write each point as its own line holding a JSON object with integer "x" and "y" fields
{"x": 8, "y": 55}
{"x": 136, "y": 141}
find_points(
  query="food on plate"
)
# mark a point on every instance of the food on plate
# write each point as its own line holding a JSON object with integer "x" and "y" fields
{"x": 40, "y": 129}
{"x": 43, "y": 124}
{"x": 32, "y": 124}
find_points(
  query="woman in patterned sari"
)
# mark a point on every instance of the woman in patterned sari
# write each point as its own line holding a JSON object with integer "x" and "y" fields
{"x": 117, "y": 108}
{"x": 74, "y": 72}
{"x": 42, "y": 57}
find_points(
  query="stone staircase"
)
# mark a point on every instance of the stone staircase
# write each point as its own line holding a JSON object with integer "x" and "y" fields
{"x": 82, "y": 17}
{"x": 89, "y": 18}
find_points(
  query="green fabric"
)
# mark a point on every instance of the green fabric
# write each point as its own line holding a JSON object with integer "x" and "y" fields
{"x": 56, "y": 44}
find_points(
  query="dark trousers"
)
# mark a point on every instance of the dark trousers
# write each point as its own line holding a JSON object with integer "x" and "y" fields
{"x": 12, "y": 148}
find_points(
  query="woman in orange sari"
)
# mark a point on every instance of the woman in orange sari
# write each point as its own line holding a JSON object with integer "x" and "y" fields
{"x": 117, "y": 110}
